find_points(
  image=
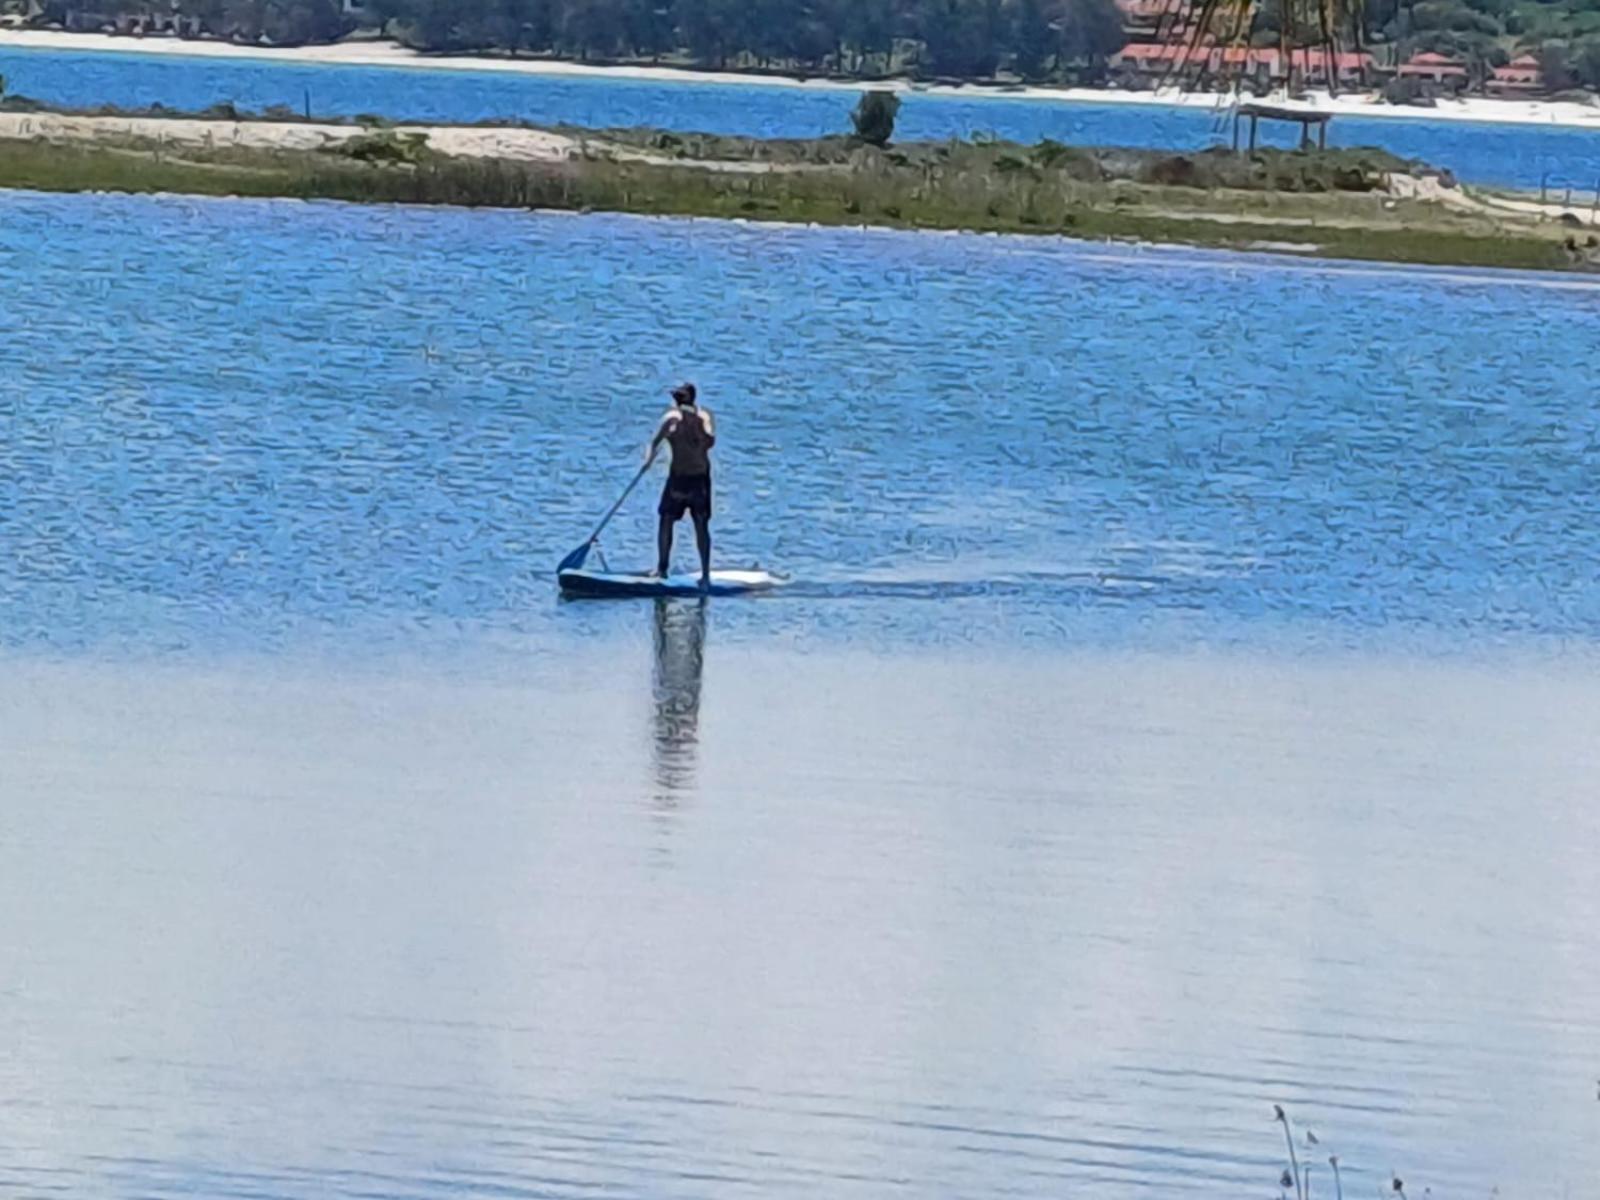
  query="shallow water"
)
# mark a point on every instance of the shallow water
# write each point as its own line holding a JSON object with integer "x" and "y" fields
{"x": 1186, "y": 703}
{"x": 1524, "y": 156}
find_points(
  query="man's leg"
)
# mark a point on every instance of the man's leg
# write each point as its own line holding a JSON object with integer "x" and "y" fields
{"x": 702, "y": 539}
{"x": 664, "y": 545}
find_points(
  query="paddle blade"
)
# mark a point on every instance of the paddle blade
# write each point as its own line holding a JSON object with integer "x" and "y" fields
{"x": 576, "y": 559}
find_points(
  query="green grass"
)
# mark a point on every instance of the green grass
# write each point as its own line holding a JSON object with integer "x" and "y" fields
{"x": 1050, "y": 192}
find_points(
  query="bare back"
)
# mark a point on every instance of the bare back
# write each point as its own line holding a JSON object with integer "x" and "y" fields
{"x": 691, "y": 434}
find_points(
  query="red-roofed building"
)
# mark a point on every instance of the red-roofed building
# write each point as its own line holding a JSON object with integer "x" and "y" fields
{"x": 1435, "y": 68}
{"x": 1311, "y": 66}
{"x": 1522, "y": 77}
{"x": 1147, "y": 57}
{"x": 1316, "y": 65}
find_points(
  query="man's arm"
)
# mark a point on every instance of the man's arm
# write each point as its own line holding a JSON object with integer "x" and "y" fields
{"x": 663, "y": 430}
{"x": 709, "y": 427}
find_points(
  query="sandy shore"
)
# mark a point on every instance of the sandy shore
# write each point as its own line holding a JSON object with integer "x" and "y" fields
{"x": 520, "y": 145}
{"x": 388, "y": 54}
{"x": 506, "y": 143}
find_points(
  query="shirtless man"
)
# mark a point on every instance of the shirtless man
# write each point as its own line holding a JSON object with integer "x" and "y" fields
{"x": 690, "y": 433}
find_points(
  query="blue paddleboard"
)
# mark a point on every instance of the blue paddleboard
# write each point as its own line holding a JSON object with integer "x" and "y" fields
{"x": 618, "y": 584}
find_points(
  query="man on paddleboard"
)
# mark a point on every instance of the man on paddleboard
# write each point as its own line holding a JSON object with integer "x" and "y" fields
{"x": 690, "y": 433}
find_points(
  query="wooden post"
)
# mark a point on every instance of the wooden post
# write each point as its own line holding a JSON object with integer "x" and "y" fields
{"x": 308, "y": 104}
{"x": 1595, "y": 207}
{"x": 1253, "y": 119}
{"x": 1236, "y": 140}
{"x": 1322, "y": 136}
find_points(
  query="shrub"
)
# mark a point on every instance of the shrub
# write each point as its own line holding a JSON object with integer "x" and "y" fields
{"x": 1555, "y": 61}
{"x": 874, "y": 117}
{"x": 1174, "y": 171}
{"x": 1050, "y": 154}
{"x": 1405, "y": 90}
{"x": 1585, "y": 62}
{"x": 387, "y": 146}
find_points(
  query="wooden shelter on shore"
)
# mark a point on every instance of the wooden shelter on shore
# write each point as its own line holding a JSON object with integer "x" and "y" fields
{"x": 1305, "y": 118}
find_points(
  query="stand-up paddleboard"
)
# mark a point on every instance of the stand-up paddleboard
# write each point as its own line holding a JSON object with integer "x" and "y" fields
{"x": 601, "y": 584}
{"x": 576, "y": 581}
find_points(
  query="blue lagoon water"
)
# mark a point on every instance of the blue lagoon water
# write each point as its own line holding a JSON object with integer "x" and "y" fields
{"x": 1505, "y": 155}
{"x": 1186, "y": 703}
{"x": 361, "y": 412}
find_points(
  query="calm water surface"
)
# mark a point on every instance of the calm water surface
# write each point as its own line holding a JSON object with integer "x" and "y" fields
{"x": 1507, "y": 155}
{"x": 1186, "y": 703}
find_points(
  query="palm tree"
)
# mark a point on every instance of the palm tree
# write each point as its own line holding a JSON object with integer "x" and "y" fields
{"x": 1331, "y": 26}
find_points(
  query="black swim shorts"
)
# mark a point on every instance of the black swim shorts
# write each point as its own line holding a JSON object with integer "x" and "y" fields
{"x": 686, "y": 493}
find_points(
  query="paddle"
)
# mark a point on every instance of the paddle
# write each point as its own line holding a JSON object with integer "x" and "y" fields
{"x": 576, "y": 559}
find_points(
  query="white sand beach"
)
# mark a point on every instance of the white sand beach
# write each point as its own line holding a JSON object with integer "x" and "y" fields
{"x": 389, "y": 54}
{"x": 521, "y": 145}
{"x": 505, "y": 143}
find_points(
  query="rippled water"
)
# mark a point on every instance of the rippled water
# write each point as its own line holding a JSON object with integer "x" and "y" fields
{"x": 237, "y": 420}
{"x": 1508, "y": 155}
{"x": 1186, "y": 703}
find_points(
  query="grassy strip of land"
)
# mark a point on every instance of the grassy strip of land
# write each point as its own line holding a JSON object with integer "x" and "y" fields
{"x": 1336, "y": 203}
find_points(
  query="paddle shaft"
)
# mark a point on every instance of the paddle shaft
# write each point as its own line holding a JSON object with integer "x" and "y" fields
{"x": 615, "y": 508}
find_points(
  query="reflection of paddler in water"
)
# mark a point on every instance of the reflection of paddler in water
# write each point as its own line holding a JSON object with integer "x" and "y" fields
{"x": 680, "y": 650}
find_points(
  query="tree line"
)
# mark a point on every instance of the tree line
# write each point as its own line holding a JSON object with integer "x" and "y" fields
{"x": 1046, "y": 40}
{"x": 962, "y": 39}
{"x": 966, "y": 39}
{"x": 1563, "y": 34}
